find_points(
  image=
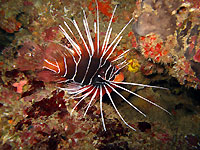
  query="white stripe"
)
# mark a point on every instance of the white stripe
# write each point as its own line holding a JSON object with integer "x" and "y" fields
{"x": 140, "y": 97}
{"x": 119, "y": 34}
{"x": 114, "y": 47}
{"x": 137, "y": 84}
{"x": 121, "y": 55}
{"x": 97, "y": 27}
{"x": 85, "y": 95}
{"x": 71, "y": 51}
{"x": 78, "y": 48}
{"x": 58, "y": 66}
{"x": 74, "y": 59}
{"x": 92, "y": 98}
{"x": 50, "y": 63}
{"x": 108, "y": 29}
{"x": 64, "y": 81}
{"x": 76, "y": 64}
{"x": 126, "y": 100}
{"x": 105, "y": 42}
{"x": 88, "y": 66}
{"x": 118, "y": 70}
{"x": 108, "y": 69}
{"x": 49, "y": 69}
{"x": 65, "y": 67}
{"x": 113, "y": 69}
{"x": 112, "y": 50}
{"x": 74, "y": 45}
{"x": 87, "y": 29}
{"x": 101, "y": 96}
{"x": 77, "y": 28}
{"x": 96, "y": 71}
{"x": 116, "y": 108}
{"x": 75, "y": 93}
{"x": 84, "y": 88}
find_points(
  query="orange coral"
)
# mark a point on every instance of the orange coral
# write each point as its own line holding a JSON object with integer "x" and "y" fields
{"x": 20, "y": 85}
{"x": 152, "y": 48}
{"x": 104, "y": 7}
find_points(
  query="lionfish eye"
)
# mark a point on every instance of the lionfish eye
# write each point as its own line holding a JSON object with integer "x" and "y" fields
{"x": 102, "y": 73}
{"x": 98, "y": 80}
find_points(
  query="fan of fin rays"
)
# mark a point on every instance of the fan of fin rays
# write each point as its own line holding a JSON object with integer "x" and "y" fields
{"x": 79, "y": 91}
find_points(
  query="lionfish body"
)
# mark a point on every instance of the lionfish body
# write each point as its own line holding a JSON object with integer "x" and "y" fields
{"x": 87, "y": 66}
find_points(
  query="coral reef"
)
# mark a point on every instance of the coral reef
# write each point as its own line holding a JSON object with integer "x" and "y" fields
{"x": 156, "y": 17}
{"x": 168, "y": 33}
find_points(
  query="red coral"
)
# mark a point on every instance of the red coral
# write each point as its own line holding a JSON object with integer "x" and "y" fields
{"x": 152, "y": 49}
{"x": 196, "y": 57}
{"x": 154, "y": 52}
{"x": 20, "y": 85}
{"x": 104, "y": 8}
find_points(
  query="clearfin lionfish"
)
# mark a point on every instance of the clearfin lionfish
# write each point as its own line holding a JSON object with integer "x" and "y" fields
{"x": 87, "y": 66}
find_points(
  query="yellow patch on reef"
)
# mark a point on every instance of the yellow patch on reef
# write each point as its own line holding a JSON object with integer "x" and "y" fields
{"x": 133, "y": 66}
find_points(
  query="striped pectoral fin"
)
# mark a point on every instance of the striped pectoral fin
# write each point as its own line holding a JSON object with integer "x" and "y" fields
{"x": 62, "y": 64}
{"x": 51, "y": 65}
{"x": 98, "y": 91}
{"x": 103, "y": 92}
{"x": 58, "y": 66}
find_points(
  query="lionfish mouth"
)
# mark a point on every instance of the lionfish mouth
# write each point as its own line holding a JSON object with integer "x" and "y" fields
{"x": 87, "y": 66}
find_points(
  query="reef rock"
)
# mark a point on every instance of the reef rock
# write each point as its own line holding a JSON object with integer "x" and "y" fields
{"x": 156, "y": 17}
